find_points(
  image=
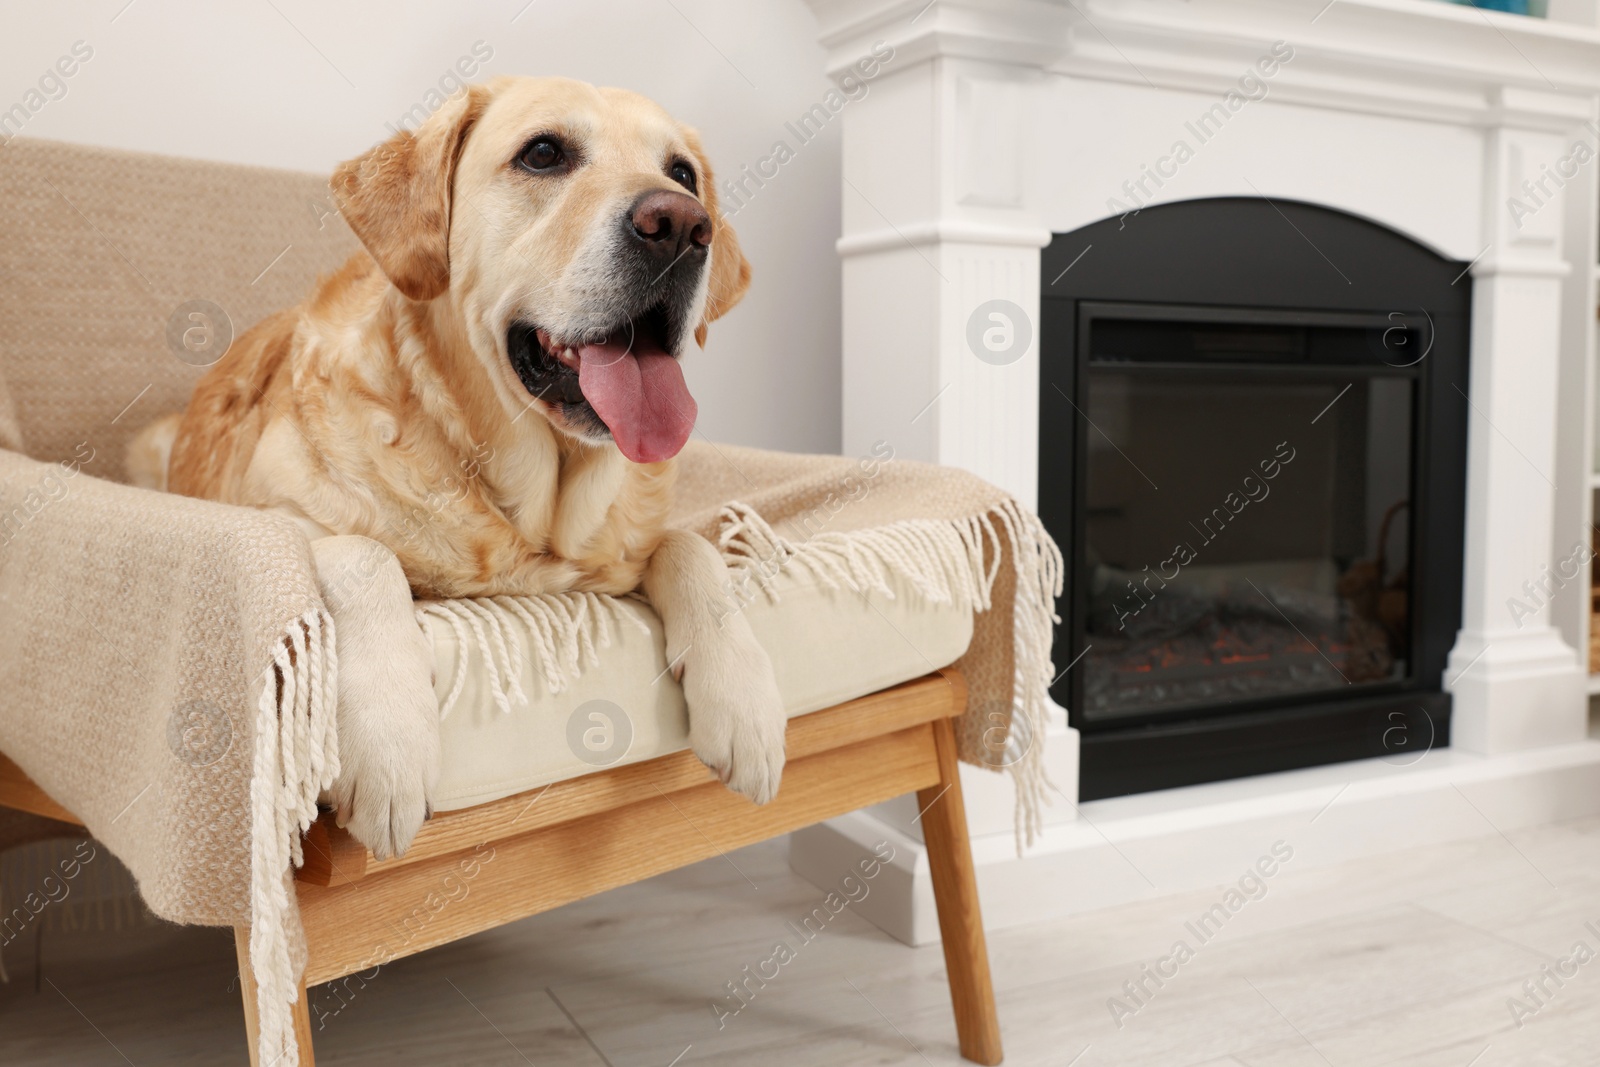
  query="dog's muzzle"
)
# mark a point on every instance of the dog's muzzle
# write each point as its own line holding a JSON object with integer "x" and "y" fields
{"x": 620, "y": 376}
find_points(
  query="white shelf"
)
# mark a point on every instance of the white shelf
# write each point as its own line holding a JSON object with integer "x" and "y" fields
{"x": 1594, "y": 684}
{"x": 1594, "y": 480}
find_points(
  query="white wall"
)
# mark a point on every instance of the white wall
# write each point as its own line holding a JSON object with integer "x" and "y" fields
{"x": 237, "y": 82}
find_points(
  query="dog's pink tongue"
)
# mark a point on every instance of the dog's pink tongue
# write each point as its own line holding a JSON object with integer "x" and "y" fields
{"x": 640, "y": 395}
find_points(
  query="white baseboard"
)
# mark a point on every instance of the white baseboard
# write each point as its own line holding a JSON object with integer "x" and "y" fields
{"x": 1131, "y": 848}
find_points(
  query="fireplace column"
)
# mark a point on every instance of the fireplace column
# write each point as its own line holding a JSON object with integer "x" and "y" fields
{"x": 940, "y": 262}
{"x": 940, "y": 244}
{"x": 1516, "y": 683}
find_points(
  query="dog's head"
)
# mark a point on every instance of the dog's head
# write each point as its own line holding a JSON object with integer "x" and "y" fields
{"x": 575, "y": 232}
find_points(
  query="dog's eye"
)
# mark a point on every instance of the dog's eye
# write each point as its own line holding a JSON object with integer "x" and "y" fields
{"x": 683, "y": 174}
{"x": 542, "y": 153}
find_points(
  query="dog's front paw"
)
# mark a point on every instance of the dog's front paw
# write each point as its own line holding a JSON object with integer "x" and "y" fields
{"x": 736, "y": 717}
{"x": 388, "y": 748}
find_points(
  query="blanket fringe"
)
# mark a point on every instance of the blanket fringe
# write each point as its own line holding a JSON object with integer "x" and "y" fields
{"x": 562, "y": 633}
{"x": 946, "y": 562}
{"x": 296, "y": 758}
{"x": 943, "y": 561}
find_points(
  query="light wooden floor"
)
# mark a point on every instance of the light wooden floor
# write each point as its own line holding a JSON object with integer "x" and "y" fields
{"x": 1408, "y": 959}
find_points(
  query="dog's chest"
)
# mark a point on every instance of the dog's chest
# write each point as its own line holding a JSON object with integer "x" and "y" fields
{"x": 508, "y": 525}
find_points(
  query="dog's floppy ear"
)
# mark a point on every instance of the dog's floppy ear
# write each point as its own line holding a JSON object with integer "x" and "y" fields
{"x": 730, "y": 271}
{"x": 397, "y": 199}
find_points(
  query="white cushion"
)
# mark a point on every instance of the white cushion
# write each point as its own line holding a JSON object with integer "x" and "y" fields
{"x": 827, "y": 646}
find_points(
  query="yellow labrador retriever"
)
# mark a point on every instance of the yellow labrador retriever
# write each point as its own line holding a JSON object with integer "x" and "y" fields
{"x": 537, "y": 256}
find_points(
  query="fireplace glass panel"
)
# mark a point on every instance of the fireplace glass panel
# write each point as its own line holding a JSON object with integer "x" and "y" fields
{"x": 1247, "y": 518}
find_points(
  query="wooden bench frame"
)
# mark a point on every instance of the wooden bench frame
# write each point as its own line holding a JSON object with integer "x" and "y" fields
{"x": 582, "y": 836}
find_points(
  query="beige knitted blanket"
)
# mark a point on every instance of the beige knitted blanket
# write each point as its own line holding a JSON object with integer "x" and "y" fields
{"x": 166, "y": 673}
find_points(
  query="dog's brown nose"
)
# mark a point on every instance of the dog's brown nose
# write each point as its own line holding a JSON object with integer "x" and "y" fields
{"x": 671, "y": 225}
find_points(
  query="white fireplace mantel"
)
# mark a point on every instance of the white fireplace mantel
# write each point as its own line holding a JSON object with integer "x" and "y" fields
{"x": 1000, "y": 122}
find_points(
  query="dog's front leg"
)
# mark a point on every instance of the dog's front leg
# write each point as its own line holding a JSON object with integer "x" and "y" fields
{"x": 388, "y": 717}
{"x": 736, "y": 717}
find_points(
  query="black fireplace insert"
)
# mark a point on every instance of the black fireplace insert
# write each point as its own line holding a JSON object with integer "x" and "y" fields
{"x": 1253, "y": 449}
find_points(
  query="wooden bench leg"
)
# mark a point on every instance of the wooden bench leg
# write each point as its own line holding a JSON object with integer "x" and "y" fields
{"x": 252, "y": 1024}
{"x": 955, "y": 891}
